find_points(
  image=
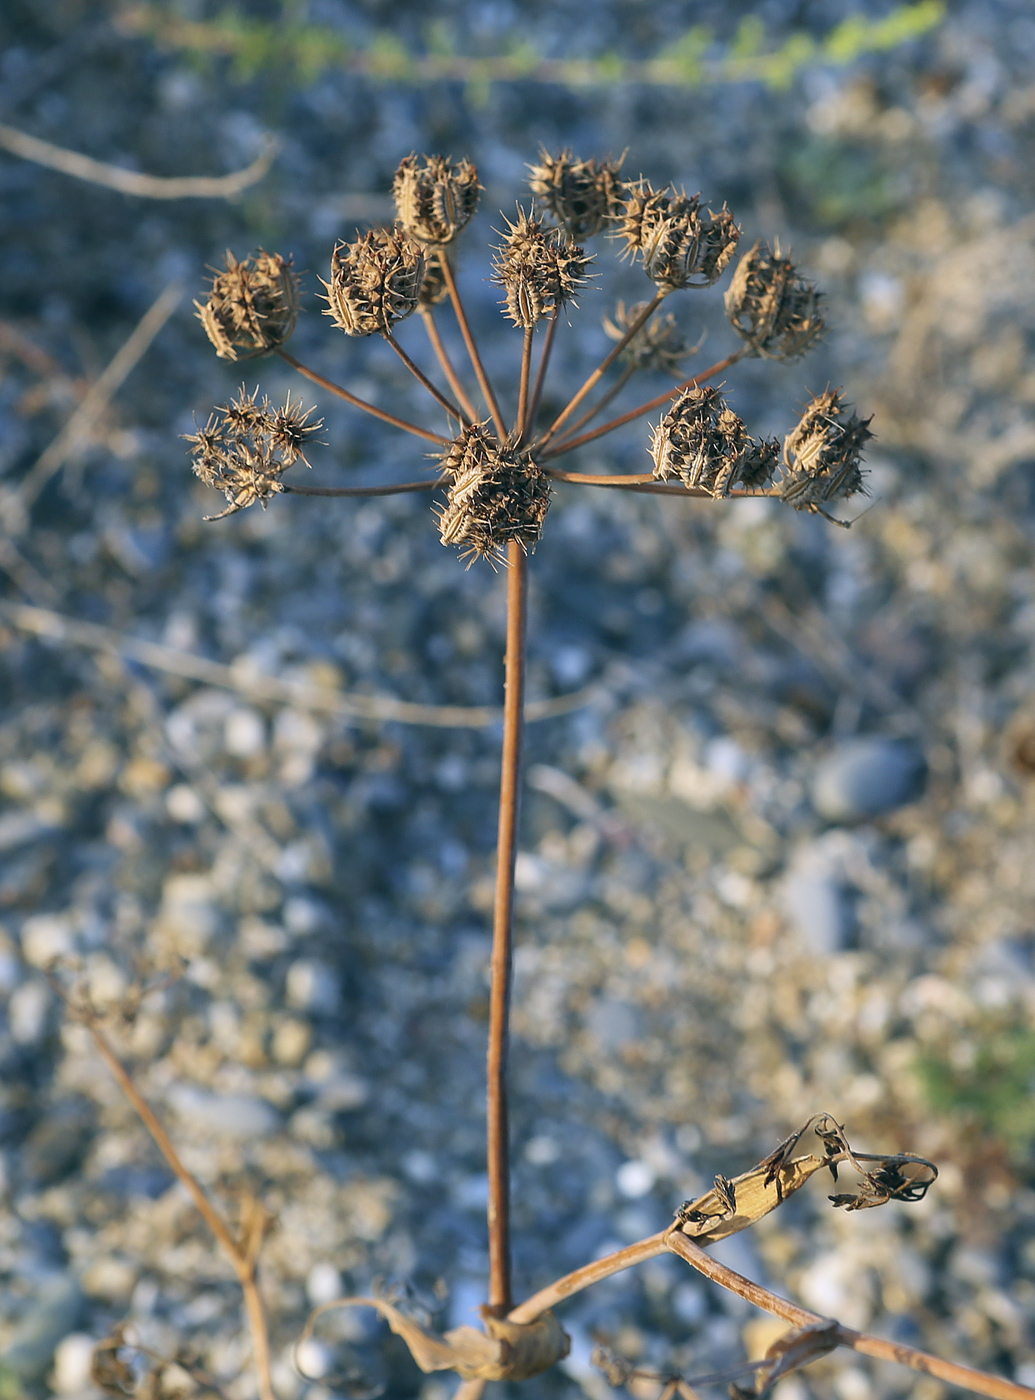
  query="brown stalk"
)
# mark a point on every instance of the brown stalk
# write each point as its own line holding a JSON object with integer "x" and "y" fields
{"x": 333, "y": 388}
{"x": 589, "y": 1274}
{"x": 602, "y": 368}
{"x": 644, "y": 481}
{"x": 243, "y": 1257}
{"x": 503, "y": 922}
{"x": 422, "y": 378}
{"x": 455, "y": 383}
{"x": 521, "y": 422}
{"x": 361, "y": 490}
{"x": 964, "y": 1376}
{"x": 472, "y": 348}
{"x": 540, "y": 375}
{"x": 568, "y": 443}
{"x": 615, "y": 389}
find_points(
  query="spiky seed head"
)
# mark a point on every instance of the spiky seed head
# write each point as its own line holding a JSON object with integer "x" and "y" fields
{"x": 375, "y": 281}
{"x": 496, "y": 494}
{"x": 539, "y": 268}
{"x": 702, "y": 443}
{"x": 246, "y": 446}
{"x": 435, "y": 201}
{"x": 252, "y": 307}
{"x": 771, "y": 306}
{"x": 822, "y": 455}
{"x": 679, "y": 243}
{"x": 658, "y": 345}
{"x": 582, "y": 195}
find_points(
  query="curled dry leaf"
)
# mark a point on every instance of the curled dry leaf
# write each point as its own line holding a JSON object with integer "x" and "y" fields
{"x": 792, "y": 1351}
{"x": 505, "y": 1351}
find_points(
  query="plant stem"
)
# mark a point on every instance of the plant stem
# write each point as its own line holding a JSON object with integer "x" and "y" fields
{"x": 601, "y": 369}
{"x": 472, "y": 348}
{"x": 613, "y": 423}
{"x": 615, "y": 389}
{"x": 521, "y": 422}
{"x": 455, "y": 383}
{"x": 964, "y": 1376}
{"x": 503, "y": 922}
{"x": 422, "y": 378}
{"x": 333, "y": 388}
{"x": 540, "y": 375}
{"x": 645, "y": 481}
{"x": 361, "y": 490}
{"x": 589, "y": 1274}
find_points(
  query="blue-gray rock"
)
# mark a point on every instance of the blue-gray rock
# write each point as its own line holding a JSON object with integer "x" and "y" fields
{"x": 868, "y": 777}
{"x": 237, "y": 1116}
{"x": 53, "y": 1314}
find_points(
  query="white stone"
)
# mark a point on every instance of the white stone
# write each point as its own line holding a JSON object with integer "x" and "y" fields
{"x": 73, "y": 1358}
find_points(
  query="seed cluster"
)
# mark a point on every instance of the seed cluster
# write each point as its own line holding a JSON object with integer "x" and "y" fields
{"x": 658, "y": 345}
{"x": 246, "y": 446}
{"x": 375, "y": 281}
{"x": 539, "y": 268}
{"x": 822, "y": 455}
{"x": 679, "y": 243}
{"x": 435, "y": 201}
{"x": 702, "y": 443}
{"x": 582, "y": 195}
{"x": 771, "y": 306}
{"x": 496, "y": 494}
{"x": 252, "y": 307}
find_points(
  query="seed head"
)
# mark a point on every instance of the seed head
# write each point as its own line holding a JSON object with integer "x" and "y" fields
{"x": 246, "y": 446}
{"x": 434, "y": 288}
{"x": 679, "y": 244}
{"x": 774, "y": 308}
{"x": 434, "y": 202}
{"x": 822, "y": 455}
{"x": 496, "y": 494}
{"x": 657, "y": 345}
{"x": 375, "y": 281}
{"x": 539, "y": 268}
{"x": 704, "y": 444}
{"x": 252, "y": 307}
{"x": 582, "y": 195}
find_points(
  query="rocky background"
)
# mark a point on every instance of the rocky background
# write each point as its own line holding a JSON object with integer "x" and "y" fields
{"x": 781, "y": 860}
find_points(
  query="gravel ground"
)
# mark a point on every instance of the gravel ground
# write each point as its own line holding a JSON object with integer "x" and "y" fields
{"x": 782, "y": 861}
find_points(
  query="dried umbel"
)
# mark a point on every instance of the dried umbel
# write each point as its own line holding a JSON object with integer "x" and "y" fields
{"x": 703, "y": 444}
{"x": 246, "y": 446}
{"x": 375, "y": 281}
{"x": 582, "y": 195}
{"x": 774, "y": 308}
{"x": 679, "y": 244}
{"x": 822, "y": 455}
{"x": 496, "y": 494}
{"x": 435, "y": 201}
{"x": 657, "y": 346}
{"x": 252, "y": 307}
{"x": 539, "y": 268}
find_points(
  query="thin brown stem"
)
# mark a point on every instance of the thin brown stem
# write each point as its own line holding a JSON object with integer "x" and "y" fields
{"x": 503, "y": 921}
{"x": 333, "y": 388}
{"x": 244, "y": 1262}
{"x": 521, "y": 421}
{"x": 964, "y": 1376}
{"x": 448, "y": 369}
{"x": 613, "y": 423}
{"x": 615, "y": 389}
{"x": 472, "y": 348}
{"x": 644, "y": 481}
{"x": 602, "y": 368}
{"x": 589, "y": 1274}
{"x": 395, "y": 490}
{"x": 423, "y": 379}
{"x": 540, "y": 374}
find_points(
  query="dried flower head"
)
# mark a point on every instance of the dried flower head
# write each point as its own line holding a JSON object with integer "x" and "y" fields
{"x": 774, "y": 308}
{"x": 658, "y": 345}
{"x": 246, "y": 446}
{"x": 435, "y": 201}
{"x": 822, "y": 455}
{"x": 252, "y": 307}
{"x": 375, "y": 281}
{"x": 679, "y": 244}
{"x": 540, "y": 269}
{"x": 582, "y": 195}
{"x": 704, "y": 444}
{"x": 496, "y": 494}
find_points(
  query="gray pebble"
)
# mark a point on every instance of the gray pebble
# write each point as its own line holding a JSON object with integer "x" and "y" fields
{"x": 868, "y": 777}
{"x": 54, "y": 1313}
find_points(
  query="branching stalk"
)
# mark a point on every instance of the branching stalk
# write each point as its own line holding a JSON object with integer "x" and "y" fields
{"x": 472, "y": 348}
{"x": 540, "y": 375}
{"x": 333, "y": 388}
{"x": 448, "y": 368}
{"x": 521, "y": 422}
{"x": 396, "y": 490}
{"x": 422, "y": 378}
{"x": 645, "y": 481}
{"x": 503, "y": 921}
{"x": 601, "y": 403}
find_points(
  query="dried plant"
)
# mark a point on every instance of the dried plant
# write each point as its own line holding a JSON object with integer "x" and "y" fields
{"x": 496, "y": 471}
